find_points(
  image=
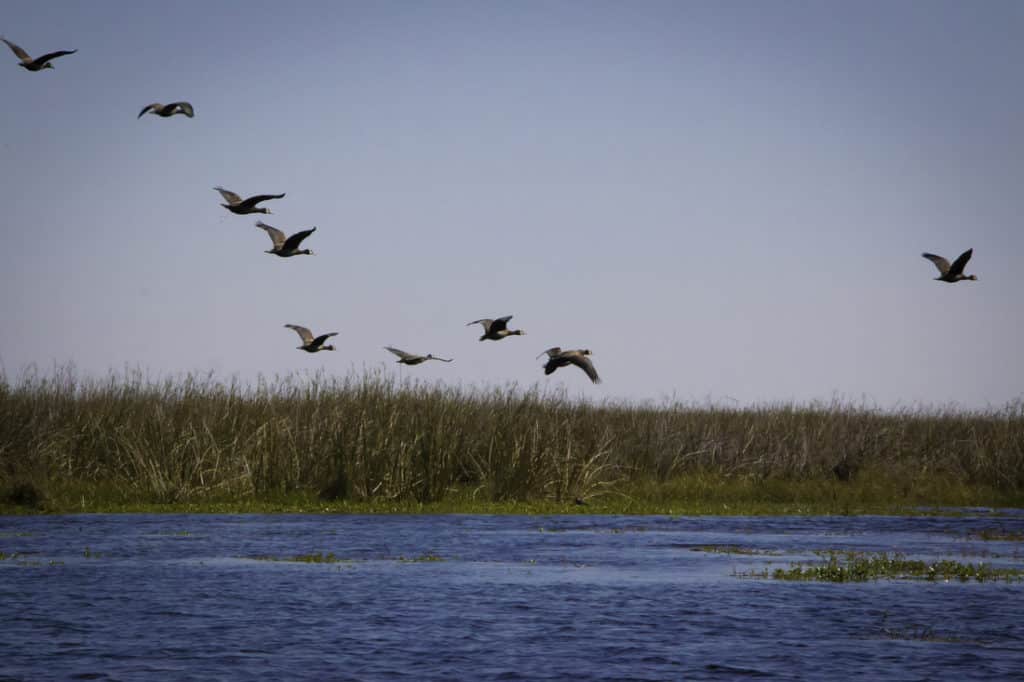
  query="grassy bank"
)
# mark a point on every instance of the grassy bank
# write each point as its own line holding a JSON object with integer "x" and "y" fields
{"x": 368, "y": 443}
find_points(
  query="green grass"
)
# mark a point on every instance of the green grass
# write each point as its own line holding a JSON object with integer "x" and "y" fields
{"x": 840, "y": 567}
{"x": 370, "y": 444}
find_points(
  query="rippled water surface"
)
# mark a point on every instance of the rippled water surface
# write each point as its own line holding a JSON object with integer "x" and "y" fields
{"x": 495, "y": 598}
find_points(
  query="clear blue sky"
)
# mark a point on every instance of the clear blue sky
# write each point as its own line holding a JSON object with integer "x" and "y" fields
{"x": 723, "y": 200}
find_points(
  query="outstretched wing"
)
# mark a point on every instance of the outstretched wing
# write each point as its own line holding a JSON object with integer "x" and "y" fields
{"x": 304, "y": 334}
{"x": 486, "y": 322}
{"x": 151, "y": 107}
{"x": 296, "y": 239}
{"x": 958, "y": 265}
{"x": 941, "y": 263}
{"x": 252, "y": 201}
{"x": 229, "y": 196}
{"x": 401, "y": 353}
{"x": 584, "y": 363}
{"x": 52, "y": 55}
{"x": 500, "y": 323}
{"x": 319, "y": 341}
{"x": 18, "y": 52}
{"x": 552, "y": 352}
{"x": 185, "y": 108}
{"x": 276, "y": 235}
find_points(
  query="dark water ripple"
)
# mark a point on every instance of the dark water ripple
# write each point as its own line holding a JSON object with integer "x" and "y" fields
{"x": 513, "y": 598}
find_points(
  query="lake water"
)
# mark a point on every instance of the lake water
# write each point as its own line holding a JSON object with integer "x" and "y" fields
{"x": 495, "y": 598}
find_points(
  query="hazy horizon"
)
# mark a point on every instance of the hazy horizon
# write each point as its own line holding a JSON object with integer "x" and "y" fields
{"x": 725, "y": 201}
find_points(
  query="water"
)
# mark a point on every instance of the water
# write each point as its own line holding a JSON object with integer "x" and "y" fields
{"x": 511, "y": 598}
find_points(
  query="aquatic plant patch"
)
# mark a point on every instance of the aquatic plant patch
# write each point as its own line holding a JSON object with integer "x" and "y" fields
{"x": 842, "y": 567}
{"x": 318, "y": 558}
{"x": 735, "y": 549}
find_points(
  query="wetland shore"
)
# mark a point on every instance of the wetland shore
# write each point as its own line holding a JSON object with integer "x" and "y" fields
{"x": 368, "y": 443}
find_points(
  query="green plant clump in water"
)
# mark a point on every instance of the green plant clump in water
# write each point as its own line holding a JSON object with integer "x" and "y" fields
{"x": 372, "y": 443}
{"x": 421, "y": 559}
{"x": 318, "y": 558}
{"x": 996, "y": 535}
{"x": 843, "y": 567}
{"x": 734, "y": 549}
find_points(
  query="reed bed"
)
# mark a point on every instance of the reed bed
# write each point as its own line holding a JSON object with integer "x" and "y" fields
{"x": 370, "y": 437}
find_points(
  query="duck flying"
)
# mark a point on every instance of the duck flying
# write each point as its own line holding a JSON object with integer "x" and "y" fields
{"x": 496, "y": 330}
{"x": 412, "y": 359}
{"x": 240, "y": 206}
{"x": 951, "y": 273}
{"x": 311, "y": 344}
{"x": 39, "y": 63}
{"x": 563, "y": 358}
{"x": 168, "y": 110}
{"x": 286, "y": 246}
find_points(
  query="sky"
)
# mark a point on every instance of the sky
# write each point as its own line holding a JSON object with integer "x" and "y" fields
{"x": 725, "y": 201}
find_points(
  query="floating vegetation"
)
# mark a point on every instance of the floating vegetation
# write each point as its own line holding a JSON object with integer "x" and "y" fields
{"x": 318, "y": 558}
{"x": 841, "y": 567}
{"x": 89, "y": 554}
{"x": 4, "y": 556}
{"x": 420, "y": 559}
{"x": 735, "y": 549}
{"x": 996, "y": 535}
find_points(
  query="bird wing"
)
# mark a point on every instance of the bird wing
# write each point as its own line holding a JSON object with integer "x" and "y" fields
{"x": 552, "y": 352}
{"x": 52, "y": 55}
{"x": 296, "y": 239}
{"x": 584, "y": 363}
{"x": 252, "y": 201}
{"x": 304, "y": 334}
{"x": 319, "y": 341}
{"x": 941, "y": 263}
{"x": 957, "y": 268}
{"x": 229, "y": 196}
{"x": 18, "y": 52}
{"x": 500, "y": 323}
{"x": 185, "y": 108}
{"x": 400, "y": 353}
{"x": 151, "y": 107}
{"x": 276, "y": 235}
{"x": 486, "y": 322}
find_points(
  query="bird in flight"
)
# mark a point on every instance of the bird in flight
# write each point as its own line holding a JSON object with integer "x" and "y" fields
{"x": 39, "y": 63}
{"x": 496, "y": 330}
{"x": 166, "y": 110}
{"x": 286, "y": 246}
{"x": 310, "y": 344}
{"x": 951, "y": 273}
{"x": 563, "y": 358}
{"x": 410, "y": 358}
{"x": 241, "y": 206}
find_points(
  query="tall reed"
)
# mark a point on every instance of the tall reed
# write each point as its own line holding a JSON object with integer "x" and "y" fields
{"x": 367, "y": 437}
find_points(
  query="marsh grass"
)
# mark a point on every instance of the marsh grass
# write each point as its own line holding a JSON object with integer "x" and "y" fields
{"x": 840, "y": 567}
{"x": 371, "y": 443}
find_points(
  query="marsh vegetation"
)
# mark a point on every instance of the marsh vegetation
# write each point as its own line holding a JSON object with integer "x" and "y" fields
{"x": 841, "y": 567}
{"x": 371, "y": 442}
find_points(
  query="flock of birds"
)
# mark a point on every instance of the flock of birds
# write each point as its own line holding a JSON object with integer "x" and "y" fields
{"x": 286, "y": 246}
